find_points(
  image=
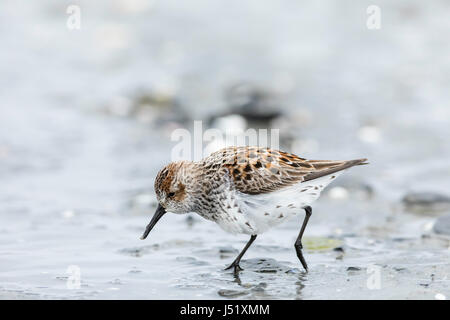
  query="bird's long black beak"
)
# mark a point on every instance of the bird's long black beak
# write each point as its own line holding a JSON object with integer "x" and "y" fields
{"x": 160, "y": 211}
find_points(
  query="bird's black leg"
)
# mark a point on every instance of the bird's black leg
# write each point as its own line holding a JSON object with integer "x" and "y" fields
{"x": 298, "y": 243}
{"x": 235, "y": 263}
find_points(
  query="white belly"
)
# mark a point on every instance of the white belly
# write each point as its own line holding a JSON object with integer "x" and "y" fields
{"x": 255, "y": 214}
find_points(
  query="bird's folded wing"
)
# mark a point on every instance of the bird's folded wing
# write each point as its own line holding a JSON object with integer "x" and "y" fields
{"x": 261, "y": 170}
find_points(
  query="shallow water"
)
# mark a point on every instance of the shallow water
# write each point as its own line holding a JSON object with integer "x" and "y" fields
{"x": 77, "y": 167}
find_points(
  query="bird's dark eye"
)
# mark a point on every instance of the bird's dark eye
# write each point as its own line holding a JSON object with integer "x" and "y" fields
{"x": 171, "y": 194}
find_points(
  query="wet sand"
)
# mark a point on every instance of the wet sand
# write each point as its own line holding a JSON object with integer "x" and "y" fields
{"x": 82, "y": 136}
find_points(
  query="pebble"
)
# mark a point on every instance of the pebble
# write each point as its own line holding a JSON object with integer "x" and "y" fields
{"x": 293, "y": 271}
{"x": 369, "y": 134}
{"x": 252, "y": 103}
{"x": 227, "y": 249}
{"x": 116, "y": 281}
{"x": 260, "y": 287}
{"x": 246, "y": 102}
{"x": 190, "y": 220}
{"x": 353, "y": 269}
{"x": 423, "y": 202}
{"x": 265, "y": 266}
{"x": 231, "y": 293}
{"x": 440, "y": 296}
{"x": 139, "y": 251}
{"x": 442, "y": 225}
{"x": 338, "y": 193}
{"x": 340, "y": 253}
{"x": 149, "y": 106}
{"x": 354, "y": 187}
{"x": 135, "y": 271}
{"x": 232, "y": 123}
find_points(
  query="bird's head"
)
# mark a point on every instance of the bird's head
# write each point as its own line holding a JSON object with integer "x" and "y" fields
{"x": 173, "y": 186}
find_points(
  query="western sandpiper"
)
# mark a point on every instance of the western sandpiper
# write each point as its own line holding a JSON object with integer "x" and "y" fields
{"x": 246, "y": 190}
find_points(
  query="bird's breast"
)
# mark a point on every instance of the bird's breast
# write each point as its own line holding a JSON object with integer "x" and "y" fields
{"x": 237, "y": 212}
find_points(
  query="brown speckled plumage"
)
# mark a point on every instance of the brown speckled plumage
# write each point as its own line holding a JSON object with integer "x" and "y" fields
{"x": 260, "y": 170}
{"x": 210, "y": 187}
{"x": 246, "y": 189}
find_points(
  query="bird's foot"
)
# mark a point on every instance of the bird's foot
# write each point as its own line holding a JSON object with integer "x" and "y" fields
{"x": 298, "y": 249}
{"x": 236, "y": 267}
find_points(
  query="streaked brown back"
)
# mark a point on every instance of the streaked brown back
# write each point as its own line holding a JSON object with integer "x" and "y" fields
{"x": 257, "y": 170}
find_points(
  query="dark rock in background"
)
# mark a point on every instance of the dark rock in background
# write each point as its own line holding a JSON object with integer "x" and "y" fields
{"x": 426, "y": 202}
{"x": 253, "y": 103}
{"x": 256, "y": 105}
{"x": 149, "y": 106}
{"x": 231, "y": 293}
{"x": 442, "y": 225}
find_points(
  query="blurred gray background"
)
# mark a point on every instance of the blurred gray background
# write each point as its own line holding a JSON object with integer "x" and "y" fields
{"x": 86, "y": 117}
